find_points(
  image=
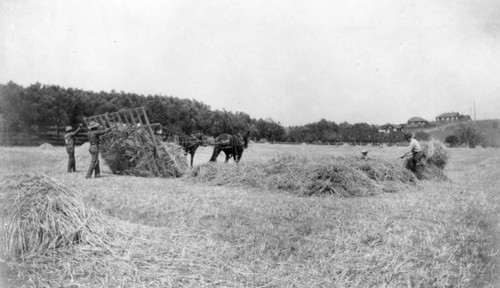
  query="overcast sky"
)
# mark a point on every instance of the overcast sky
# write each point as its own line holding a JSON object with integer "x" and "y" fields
{"x": 293, "y": 61}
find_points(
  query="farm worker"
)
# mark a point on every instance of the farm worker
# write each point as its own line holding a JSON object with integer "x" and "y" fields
{"x": 69, "y": 141}
{"x": 94, "y": 141}
{"x": 417, "y": 154}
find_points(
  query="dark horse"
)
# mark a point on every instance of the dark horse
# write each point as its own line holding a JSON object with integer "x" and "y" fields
{"x": 189, "y": 143}
{"x": 231, "y": 145}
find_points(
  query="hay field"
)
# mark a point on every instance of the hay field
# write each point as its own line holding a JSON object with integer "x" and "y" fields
{"x": 177, "y": 233}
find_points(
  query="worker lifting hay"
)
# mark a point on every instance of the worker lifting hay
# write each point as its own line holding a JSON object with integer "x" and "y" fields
{"x": 132, "y": 148}
{"x": 432, "y": 159}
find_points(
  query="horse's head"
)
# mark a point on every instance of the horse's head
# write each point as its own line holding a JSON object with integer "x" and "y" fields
{"x": 245, "y": 139}
{"x": 200, "y": 138}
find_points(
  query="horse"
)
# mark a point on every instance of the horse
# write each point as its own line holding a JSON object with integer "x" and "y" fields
{"x": 189, "y": 143}
{"x": 231, "y": 145}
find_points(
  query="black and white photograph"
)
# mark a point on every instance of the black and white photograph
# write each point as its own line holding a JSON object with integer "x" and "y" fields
{"x": 250, "y": 143}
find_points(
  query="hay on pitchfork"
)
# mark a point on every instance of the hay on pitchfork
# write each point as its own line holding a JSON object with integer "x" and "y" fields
{"x": 306, "y": 176}
{"x": 38, "y": 214}
{"x": 132, "y": 152}
{"x": 436, "y": 157}
{"x": 436, "y": 153}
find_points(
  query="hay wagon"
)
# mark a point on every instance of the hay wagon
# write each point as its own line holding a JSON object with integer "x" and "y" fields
{"x": 143, "y": 135}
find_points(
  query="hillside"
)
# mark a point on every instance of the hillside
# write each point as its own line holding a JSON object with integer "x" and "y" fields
{"x": 490, "y": 130}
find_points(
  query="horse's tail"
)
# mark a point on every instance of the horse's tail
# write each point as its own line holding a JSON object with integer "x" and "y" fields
{"x": 215, "y": 153}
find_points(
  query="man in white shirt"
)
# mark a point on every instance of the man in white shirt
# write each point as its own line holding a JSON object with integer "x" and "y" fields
{"x": 415, "y": 163}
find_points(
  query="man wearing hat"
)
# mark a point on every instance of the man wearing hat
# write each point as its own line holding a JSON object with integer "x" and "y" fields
{"x": 69, "y": 141}
{"x": 94, "y": 141}
{"x": 415, "y": 164}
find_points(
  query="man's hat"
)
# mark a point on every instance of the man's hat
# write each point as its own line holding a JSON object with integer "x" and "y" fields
{"x": 93, "y": 124}
{"x": 408, "y": 135}
{"x": 68, "y": 128}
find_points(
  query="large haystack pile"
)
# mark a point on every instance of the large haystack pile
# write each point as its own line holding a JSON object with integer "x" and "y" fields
{"x": 132, "y": 152}
{"x": 310, "y": 176}
{"x": 436, "y": 158}
{"x": 37, "y": 214}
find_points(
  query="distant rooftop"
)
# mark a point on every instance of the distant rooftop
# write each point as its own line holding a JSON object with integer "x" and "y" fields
{"x": 449, "y": 114}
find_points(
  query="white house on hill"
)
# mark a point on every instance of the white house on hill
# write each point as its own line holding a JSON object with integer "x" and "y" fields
{"x": 389, "y": 128}
{"x": 452, "y": 117}
{"x": 417, "y": 122}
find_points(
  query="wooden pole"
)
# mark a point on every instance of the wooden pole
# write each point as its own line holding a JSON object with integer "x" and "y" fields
{"x": 152, "y": 138}
{"x": 131, "y": 113}
{"x": 106, "y": 117}
{"x": 102, "y": 120}
{"x": 150, "y": 130}
{"x": 119, "y": 117}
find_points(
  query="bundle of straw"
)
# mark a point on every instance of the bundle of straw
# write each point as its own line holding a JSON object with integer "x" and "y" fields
{"x": 435, "y": 159}
{"x": 435, "y": 153}
{"x": 308, "y": 176}
{"x": 37, "y": 214}
{"x": 132, "y": 152}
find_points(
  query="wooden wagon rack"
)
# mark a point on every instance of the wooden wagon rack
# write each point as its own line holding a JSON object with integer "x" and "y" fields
{"x": 135, "y": 118}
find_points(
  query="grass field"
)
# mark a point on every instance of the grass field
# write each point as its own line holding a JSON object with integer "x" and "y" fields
{"x": 184, "y": 234}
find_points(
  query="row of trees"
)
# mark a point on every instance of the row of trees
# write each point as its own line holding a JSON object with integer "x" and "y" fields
{"x": 465, "y": 135}
{"x": 38, "y": 107}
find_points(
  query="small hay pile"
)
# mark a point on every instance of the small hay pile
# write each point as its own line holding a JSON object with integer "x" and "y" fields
{"x": 132, "y": 152}
{"x": 38, "y": 214}
{"x": 436, "y": 158}
{"x": 309, "y": 176}
{"x": 46, "y": 146}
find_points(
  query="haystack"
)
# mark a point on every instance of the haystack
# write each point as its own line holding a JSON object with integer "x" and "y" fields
{"x": 305, "y": 176}
{"x": 37, "y": 214}
{"x": 46, "y": 146}
{"x": 436, "y": 158}
{"x": 132, "y": 152}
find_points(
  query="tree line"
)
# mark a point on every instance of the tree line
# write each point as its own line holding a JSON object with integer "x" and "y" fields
{"x": 37, "y": 108}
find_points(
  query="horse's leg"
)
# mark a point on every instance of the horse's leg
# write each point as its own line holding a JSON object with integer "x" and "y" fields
{"x": 215, "y": 154}
{"x": 192, "y": 152}
{"x": 235, "y": 154}
{"x": 228, "y": 156}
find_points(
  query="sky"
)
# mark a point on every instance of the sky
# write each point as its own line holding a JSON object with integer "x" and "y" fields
{"x": 294, "y": 61}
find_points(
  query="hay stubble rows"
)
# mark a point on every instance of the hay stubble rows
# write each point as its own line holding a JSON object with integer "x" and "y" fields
{"x": 180, "y": 233}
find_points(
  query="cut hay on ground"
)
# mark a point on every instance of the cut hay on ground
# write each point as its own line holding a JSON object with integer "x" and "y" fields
{"x": 37, "y": 214}
{"x": 306, "y": 176}
{"x": 49, "y": 237}
{"x": 132, "y": 152}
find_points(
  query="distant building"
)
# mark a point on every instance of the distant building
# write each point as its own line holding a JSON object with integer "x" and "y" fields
{"x": 389, "y": 128}
{"x": 415, "y": 122}
{"x": 452, "y": 117}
